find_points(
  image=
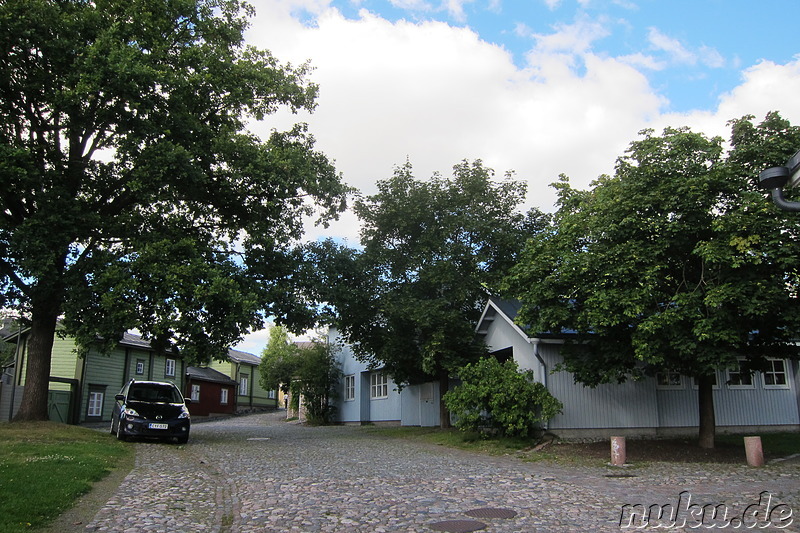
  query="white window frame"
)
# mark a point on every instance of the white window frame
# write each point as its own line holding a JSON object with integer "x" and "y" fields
{"x": 771, "y": 362}
{"x": 223, "y": 396}
{"x": 737, "y": 371}
{"x": 378, "y": 386}
{"x": 669, "y": 385}
{"x": 244, "y": 382}
{"x": 350, "y": 388}
{"x": 169, "y": 368}
{"x": 140, "y": 367}
{"x": 95, "y": 404}
{"x": 195, "y": 392}
{"x": 714, "y": 386}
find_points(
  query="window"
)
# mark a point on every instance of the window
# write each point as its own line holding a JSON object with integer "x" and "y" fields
{"x": 349, "y": 388}
{"x": 195, "y": 393}
{"x": 738, "y": 378}
{"x": 95, "y": 409}
{"x": 169, "y": 368}
{"x": 775, "y": 376}
{"x": 271, "y": 395}
{"x": 223, "y": 397}
{"x": 139, "y": 367}
{"x": 378, "y": 385}
{"x": 243, "y": 379}
{"x": 669, "y": 380}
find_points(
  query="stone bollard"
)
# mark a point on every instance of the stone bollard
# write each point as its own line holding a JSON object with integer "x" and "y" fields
{"x": 617, "y": 451}
{"x": 754, "y": 451}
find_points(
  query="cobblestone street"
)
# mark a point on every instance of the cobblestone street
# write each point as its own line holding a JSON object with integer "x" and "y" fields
{"x": 260, "y": 474}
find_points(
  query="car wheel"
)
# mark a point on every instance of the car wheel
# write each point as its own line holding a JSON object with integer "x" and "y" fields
{"x": 120, "y": 432}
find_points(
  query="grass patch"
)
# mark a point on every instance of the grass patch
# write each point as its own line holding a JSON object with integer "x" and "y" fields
{"x": 729, "y": 448}
{"x": 45, "y": 467}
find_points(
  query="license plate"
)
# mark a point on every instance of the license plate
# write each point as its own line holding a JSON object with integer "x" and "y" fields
{"x": 158, "y": 426}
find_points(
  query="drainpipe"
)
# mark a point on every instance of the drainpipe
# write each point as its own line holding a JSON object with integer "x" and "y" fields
{"x": 535, "y": 343}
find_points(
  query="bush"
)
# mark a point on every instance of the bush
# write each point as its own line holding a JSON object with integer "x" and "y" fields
{"x": 500, "y": 398}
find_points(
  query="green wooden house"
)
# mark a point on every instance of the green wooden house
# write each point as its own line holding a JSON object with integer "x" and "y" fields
{"x": 242, "y": 367}
{"x": 82, "y": 389}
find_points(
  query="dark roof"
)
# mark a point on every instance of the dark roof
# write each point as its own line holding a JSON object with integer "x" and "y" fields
{"x": 510, "y": 308}
{"x": 208, "y": 374}
{"x": 243, "y": 357}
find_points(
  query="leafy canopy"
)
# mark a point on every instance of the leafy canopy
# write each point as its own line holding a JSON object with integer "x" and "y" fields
{"x": 432, "y": 250}
{"x": 676, "y": 261}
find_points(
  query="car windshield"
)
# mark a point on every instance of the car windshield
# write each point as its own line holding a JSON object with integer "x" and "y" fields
{"x": 154, "y": 393}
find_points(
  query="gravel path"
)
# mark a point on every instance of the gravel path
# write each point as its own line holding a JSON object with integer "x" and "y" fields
{"x": 260, "y": 474}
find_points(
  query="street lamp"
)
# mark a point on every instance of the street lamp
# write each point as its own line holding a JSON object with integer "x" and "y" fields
{"x": 776, "y": 178}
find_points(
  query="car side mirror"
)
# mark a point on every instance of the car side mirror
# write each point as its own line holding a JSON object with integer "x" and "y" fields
{"x": 120, "y": 397}
{"x": 187, "y": 401}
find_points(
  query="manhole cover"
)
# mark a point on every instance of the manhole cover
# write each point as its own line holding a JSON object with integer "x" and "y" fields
{"x": 490, "y": 512}
{"x": 458, "y": 526}
{"x": 619, "y": 475}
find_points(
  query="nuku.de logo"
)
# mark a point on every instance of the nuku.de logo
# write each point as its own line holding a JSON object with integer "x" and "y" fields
{"x": 685, "y": 514}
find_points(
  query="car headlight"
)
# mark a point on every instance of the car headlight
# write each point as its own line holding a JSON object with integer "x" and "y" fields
{"x": 184, "y": 413}
{"x": 130, "y": 412}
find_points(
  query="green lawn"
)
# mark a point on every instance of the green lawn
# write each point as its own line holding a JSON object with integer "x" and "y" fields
{"x": 45, "y": 467}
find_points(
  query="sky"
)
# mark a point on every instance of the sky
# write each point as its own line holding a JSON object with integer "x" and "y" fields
{"x": 537, "y": 87}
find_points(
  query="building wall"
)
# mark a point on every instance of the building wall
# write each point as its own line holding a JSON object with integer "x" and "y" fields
{"x": 641, "y": 406}
{"x": 210, "y": 394}
{"x": 415, "y": 405}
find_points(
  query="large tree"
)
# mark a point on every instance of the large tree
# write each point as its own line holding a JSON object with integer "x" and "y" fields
{"x": 676, "y": 263}
{"x": 432, "y": 252}
{"x": 132, "y": 194}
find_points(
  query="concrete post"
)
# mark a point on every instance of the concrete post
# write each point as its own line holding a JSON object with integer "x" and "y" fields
{"x": 617, "y": 451}
{"x": 754, "y": 451}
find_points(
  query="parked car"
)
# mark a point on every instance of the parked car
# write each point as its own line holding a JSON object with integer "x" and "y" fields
{"x": 153, "y": 409}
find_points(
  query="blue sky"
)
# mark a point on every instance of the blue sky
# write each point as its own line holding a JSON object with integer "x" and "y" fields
{"x": 537, "y": 87}
{"x": 699, "y": 46}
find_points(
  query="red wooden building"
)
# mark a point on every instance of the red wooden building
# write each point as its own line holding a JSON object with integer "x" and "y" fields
{"x": 211, "y": 391}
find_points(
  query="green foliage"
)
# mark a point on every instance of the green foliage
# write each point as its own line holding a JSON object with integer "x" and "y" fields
{"x": 45, "y": 467}
{"x": 318, "y": 375}
{"x": 499, "y": 397}
{"x": 675, "y": 261}
{"x": 312, "y": 372}
{"x": 279, "y": 361}
{"x": 432, "y": 249}
{"x": 133, "y": 196}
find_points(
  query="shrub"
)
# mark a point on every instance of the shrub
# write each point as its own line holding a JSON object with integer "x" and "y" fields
{"x": 500, "y": 398}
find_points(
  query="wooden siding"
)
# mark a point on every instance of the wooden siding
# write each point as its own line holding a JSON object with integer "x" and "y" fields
{"x": 64, "y": 363}
{"x": 102, "y": 370}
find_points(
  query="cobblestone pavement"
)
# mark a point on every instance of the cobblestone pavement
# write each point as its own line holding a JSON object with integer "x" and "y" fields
{"x": 260, "y": 474}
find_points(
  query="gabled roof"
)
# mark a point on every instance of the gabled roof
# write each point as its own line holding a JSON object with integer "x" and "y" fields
{"x": 209, "y": 374}
{"x": 507, "y": 310}
{"x": 243, "y": 357}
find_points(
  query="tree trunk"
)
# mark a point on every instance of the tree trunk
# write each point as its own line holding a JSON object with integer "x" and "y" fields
{"x": 705, "y": 394}
{"x": 444, "y": 414}
{"x": 44, "y": 317}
